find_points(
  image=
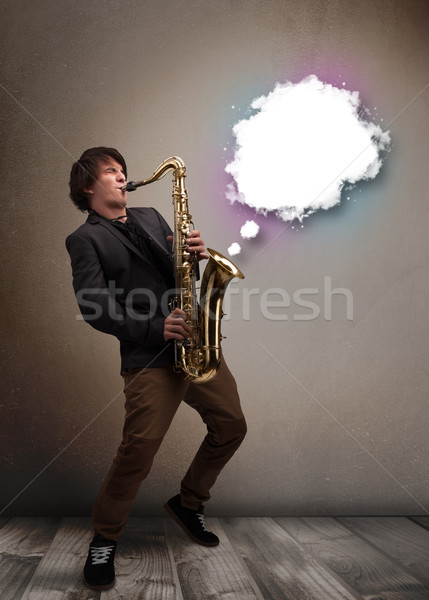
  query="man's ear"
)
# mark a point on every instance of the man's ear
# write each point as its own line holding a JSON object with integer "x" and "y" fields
{"x": 88, "y": 190}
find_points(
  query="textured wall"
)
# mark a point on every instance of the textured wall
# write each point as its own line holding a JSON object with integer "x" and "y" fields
{"x": 336, "y": 409}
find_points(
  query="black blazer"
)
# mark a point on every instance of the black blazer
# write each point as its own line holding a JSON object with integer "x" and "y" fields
{"x": 123, "y": 291}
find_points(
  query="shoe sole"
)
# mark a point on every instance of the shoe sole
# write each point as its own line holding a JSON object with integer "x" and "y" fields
{"x": 100, "y": 588}
{"x": 185, "y": 529}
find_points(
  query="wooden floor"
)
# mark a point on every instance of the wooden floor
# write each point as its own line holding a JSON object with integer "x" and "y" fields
{"x": 298, "y": 558}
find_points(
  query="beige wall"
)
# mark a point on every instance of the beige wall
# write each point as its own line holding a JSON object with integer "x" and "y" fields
{"x": 336, "y": 409}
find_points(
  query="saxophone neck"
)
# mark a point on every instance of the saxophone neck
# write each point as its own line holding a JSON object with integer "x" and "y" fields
{"x": 174, "y": 163}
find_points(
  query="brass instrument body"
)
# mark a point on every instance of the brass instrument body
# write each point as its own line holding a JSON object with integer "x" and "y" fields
{"x": 198, "y": 356}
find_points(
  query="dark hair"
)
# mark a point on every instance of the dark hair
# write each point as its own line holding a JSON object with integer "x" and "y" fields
{"x": 85, "y": 171}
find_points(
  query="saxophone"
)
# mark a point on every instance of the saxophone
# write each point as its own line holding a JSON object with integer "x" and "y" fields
{"x": 198, "y": 356}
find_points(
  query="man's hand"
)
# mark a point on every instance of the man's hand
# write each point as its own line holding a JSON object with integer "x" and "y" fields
{"x": 175, "y": 326}
{"x": 195, "y": 243}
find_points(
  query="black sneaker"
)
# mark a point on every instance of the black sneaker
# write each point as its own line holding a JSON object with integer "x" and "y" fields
{"x": 191, "y": 521}
{"x": 99, "y": 570}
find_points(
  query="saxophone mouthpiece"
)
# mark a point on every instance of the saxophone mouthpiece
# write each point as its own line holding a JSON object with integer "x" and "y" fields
{"x": 130, "y": 187}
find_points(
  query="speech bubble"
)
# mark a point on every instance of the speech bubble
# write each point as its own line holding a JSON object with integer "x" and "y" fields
{"x": 304, "y": 143}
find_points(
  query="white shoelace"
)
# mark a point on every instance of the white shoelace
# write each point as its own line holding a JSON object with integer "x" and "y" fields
{"x": 100, "y": 556}
{"x": 201, "y": 519}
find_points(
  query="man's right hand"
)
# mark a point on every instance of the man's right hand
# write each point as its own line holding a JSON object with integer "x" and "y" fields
{"x": 175, "y": 326}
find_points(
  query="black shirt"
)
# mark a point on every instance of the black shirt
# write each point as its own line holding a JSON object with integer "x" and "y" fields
{"x": 138, "y": 238}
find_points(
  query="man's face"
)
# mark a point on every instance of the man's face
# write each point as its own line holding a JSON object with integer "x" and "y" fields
{"x": 106, "y": 191}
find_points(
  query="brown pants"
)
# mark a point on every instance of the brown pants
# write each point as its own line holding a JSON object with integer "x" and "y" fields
{"x": 152, "y": 397}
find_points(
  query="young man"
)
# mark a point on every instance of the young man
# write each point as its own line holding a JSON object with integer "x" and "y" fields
{"x": 123, "y": 278}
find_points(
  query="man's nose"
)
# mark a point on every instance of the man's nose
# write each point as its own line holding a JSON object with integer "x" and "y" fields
{"x": 121, "y": 177}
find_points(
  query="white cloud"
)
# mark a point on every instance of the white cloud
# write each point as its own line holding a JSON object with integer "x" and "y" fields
{"x": 305, "y": 142}
{"x": 249, "y": 230}
{"x": 234, "y": 249}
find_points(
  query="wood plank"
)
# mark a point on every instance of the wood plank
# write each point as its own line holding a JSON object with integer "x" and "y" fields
{"x": 258, "y": 558}
{"x": 281, "y": 567}
{"x": 422, "y": 521}
{"x": 358, "y": 563}
{"x": 59, "y": 573}
{"x": 398, "y": 537}
{"x": 209, "y": 573}
{"x": 143, "y": 564}
{"x": 23, "y": 542}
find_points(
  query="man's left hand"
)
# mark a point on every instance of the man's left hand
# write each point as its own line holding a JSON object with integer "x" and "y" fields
{"x": 195, "y": 244}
